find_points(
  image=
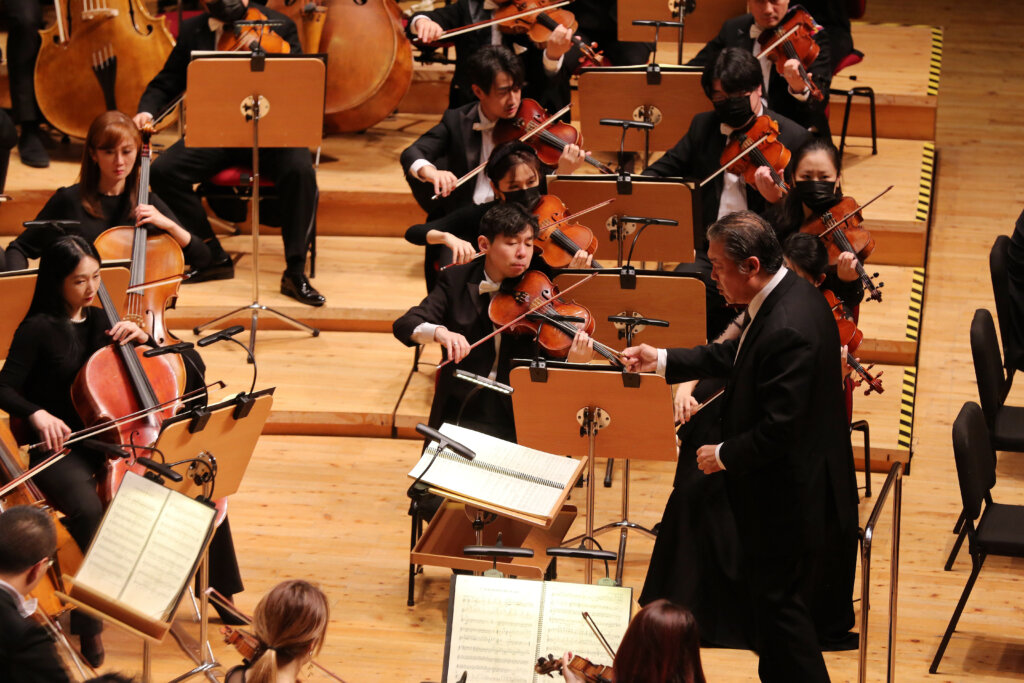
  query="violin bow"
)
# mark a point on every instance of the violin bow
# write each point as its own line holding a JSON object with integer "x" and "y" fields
{"x": 539, "y": 303}
{"x": 745, "y": 152}
{"x": 701, "y": 406}
{"x": 139, "y": 288}
{"x": 492, "y": 22}
{"x": 98, "y": 429}
{"x": 600, "y": 636}
{"x": 526, "y": 136}
{"x": 778, "y": 41}
{"x": 856, "y": 211}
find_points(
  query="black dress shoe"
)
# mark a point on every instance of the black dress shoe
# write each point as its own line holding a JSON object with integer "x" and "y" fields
{"x": 92, "y": 650}
{"x": 30, "y": 147}
{"x": 298, "y": 288}
{"x": 219, "y": 270}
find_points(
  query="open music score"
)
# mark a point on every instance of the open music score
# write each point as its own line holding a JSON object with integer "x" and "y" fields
{"x": 505, "y": 478}
{"x": 142, "y": 557}
{"x": 499, "y": 628}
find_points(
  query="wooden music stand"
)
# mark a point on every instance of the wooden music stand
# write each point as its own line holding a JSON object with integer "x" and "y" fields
{"x": 628, "y": 93}
{"x": 632, "y": 413}
{"x": 702, "y": 24}
{"x": 16, "y": 289}
{"x": 223, "y": 92}
{"x": 650, "y": 198}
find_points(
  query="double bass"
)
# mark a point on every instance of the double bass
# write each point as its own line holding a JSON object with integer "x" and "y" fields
{"x": 77, "y": 76}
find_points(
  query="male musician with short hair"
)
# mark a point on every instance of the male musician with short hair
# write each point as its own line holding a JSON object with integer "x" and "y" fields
{"x": 783, "y": 420}
{"x": 786, "y": 94}
{"x": 28, "y": 541}
{"x": 734, "y": 86}
{"x": 176, "y": 171}
{"x": 455, "y": 314}
{"x": 465, "y": 137}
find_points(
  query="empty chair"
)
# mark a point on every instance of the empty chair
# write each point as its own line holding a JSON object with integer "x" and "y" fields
{"x": 1005, "y": 423}
{"x": 1009, "y": 298}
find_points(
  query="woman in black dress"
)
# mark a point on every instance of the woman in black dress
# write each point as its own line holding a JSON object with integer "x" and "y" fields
{"x": 106, "y": 195}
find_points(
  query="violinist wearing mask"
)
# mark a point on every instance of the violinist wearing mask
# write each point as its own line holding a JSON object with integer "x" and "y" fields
{"x": 786, "y": 94}
{"x": 455, "y": 314}
{"x": 514, "y": 172}
{"x": 465, "y": 137}
{"x": 733, "y": 83}
{"x": 179, "y": 168}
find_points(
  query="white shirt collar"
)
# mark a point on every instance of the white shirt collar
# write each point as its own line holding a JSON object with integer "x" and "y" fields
{"x": 26, "y": 608}
{"x": 755, "y": 304}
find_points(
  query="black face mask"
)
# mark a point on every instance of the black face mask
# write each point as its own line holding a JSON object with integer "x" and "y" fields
{"x": 227, "y": 11}
{"x": 734, "y": 111}
{"x": 527, "y": 198}
{"x": 818, "y": 195}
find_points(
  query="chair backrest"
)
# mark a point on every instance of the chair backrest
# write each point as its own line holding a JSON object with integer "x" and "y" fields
{"x": 988, "y": 365}
{"x": 975, "y": 462}
{"x": 998, "y": 266}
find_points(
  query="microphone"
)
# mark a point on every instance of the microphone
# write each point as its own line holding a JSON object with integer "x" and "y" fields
{"x": 220, "y": 336}
{"x": 445, "y": 442}
{"x": 485, "y": 382}
{"x": 627, "y": 123}
{"x": 648, "y": 221}
{"x": 172, "y": 348}
{"x": 635, "y": 320}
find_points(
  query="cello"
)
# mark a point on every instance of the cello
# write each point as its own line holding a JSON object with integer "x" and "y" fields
{"x": 154, "y": 255}
{"x": 92, "y": 36}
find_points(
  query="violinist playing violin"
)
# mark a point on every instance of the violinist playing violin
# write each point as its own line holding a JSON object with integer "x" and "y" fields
{"x": 455, "y": 313}
{"x": 798, "y": 89}
{"x": 734, "y": 85}
{"x": 465, "y": 137}
{"x": 176, "y": 171}
{"x": 105, "y": 196}
{"x": 59, "y": 333}
{"x": 28, "y": 542}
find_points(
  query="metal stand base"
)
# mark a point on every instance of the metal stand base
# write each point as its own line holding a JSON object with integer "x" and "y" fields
{"x": 256, "y": 307}
{"x": 200, "y": 653}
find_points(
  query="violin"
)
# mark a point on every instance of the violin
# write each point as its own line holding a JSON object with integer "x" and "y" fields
{"x": 234, "y": 38}
{"x": 841, "y": 229}
{"x": 535, "y": 293}
{"x": 765, "y": 149}
{"x": 550, "y": 142}
{"x": 118, "y": 380}
{"x": 539, "y": 25}
{"x": 851, "y": 337}
{"x": 250, "y": 647}
{"x": 154, "y": 255}
{"x": 560, "y": 236}
{"x": 591, "y": 673}
{"x": 793, "y": 38}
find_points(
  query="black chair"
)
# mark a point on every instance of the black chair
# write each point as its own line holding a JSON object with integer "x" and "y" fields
{"x": 1005, "y": 423}
{"x": 1013, "y": 347}
{"x": 1000, "y": 531}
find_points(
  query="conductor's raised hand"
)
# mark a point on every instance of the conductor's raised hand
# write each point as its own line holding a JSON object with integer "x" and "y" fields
{"x": 643, "y": 358}
{"x": 454, "y": 343}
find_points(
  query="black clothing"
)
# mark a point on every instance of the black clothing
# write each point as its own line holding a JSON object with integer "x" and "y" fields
{"x": 785, "y": 444}
{"x": 1015, "y": 274}
{"x": 66, "y": 204}
{"x": 834, "y": 17}
{"x": 24, "y": 19}
{"x": 179, "y": 168}
{"x": 464, "y": 223}
{"x": 27, "y": 653}
{"x": 736, "y": 33}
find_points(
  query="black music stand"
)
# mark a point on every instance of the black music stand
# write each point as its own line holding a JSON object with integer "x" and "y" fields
{"x": 558, "y": 404}
{"x": 223, "y": 92}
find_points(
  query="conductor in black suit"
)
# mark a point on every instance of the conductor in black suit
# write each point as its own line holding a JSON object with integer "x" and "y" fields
{"x": 783, "y": 417}
{"x": 28, "y": 541}
{"x": 787, "y": 95}
{"x": 179, "y": 168}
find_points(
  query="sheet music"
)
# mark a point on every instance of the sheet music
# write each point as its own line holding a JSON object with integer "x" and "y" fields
{"x": 493, "y": 630}
{"x": 115, "y": 551}
{"x": 564, "y": 629}
{"x": 478, "y": 478}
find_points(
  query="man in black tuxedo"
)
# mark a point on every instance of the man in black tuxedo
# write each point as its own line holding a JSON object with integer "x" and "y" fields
{"x": 464, "y": 137}
{"x": 733, "y": 83}
{"x": 787, "y": 95}
{"x": 454, "y": 315}
{"x": 783, "y": 417}
{"x": 176, "y": 171}
{"x": 27, "y": 544}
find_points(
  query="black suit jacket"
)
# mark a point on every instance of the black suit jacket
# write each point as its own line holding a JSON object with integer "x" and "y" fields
{"x": 27, "y": 654}
{"x": 456, "y": 303}
{"x": 736, "y": 33}
{"x": 784, "y": 428}
{"x": 698, "y": 154}
{"x": 451, "y": 145}
{"x": 195, "y": 34}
